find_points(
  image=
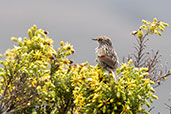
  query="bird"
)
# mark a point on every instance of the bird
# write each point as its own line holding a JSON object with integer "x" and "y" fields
{"x": 107, "y": 57}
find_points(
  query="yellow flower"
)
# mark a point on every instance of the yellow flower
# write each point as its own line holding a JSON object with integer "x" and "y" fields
{"x": 119, "y": 103}
{"x": 140, "y": 34}
{"x": 115, "y": 108}
{"x": 7, "y": 53}
{"x": 146, "y": 80}
{"x": 165, "y": 24}
{"x": 144, "y": 21}
{"x": 68, "y": 53}
{"x": 76, "y": 80}
{"x": 1, "y": 91}
{"x": 33, "y": 82}
{"x": 111, "y": 100}
{"x": 95, "y": 96}
{"x": 45, "y": 78}
{"x": 37, "y": 54}
{"x": 1, "y": 55}
{"x": 79, "y": 99}
{"x": 94, "y": 74}
{"x": 155, "y": 19}
{"x": 126, "y": 109}
{"x": 13, "y": 38}
{"x": 29, "y": 43}
{"x": 66, "y": 61}
{"x": 62, "y": 43}
{"x": 17, "y": 99}
{"x": 49, "y": 53}
{"x": 152, "y": 28}
{"x": 49, "y": 41}
{"x": 67, "y": 46}
{"x": 39, "y": 87}
{"x": 118, "y": 94}
{"x": 72, "y": 51}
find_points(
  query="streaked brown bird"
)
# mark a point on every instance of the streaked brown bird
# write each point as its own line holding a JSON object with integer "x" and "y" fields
{"x": 106, "y": 55}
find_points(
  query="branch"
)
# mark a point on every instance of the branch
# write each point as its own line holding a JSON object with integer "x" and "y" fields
{"x": 151, "y": 109}
{"x": 168, "y": 107}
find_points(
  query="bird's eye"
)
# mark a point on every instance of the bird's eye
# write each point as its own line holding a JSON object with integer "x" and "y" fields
{"x": 100, "y": 39}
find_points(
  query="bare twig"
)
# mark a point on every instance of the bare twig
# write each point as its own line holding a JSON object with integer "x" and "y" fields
{"x": 143, "y": 58}
{"x": 168, "y": 107}
{"x": 151, "y": 109}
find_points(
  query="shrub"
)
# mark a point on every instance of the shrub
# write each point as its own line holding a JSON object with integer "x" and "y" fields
{"x": 36, "y": 78}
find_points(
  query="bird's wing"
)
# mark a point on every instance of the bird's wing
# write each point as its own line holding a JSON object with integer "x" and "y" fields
{"x": 109, "y": 61}
{"x": 107, "y": 58}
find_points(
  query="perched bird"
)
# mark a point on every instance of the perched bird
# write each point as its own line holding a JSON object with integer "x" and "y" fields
{"x": 106, "y": 55}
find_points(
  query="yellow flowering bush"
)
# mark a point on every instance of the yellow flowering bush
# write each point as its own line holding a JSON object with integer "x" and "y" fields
{"x": 97, "y": 92}
{"x": 33, "y": 76}
{"x": 36, "y": 78}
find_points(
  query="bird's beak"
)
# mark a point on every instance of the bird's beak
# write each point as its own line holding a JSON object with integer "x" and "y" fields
{"x": 94, "y": 39}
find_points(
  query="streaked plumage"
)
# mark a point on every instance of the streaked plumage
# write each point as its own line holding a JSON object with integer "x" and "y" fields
{"x": 106, "y": 54}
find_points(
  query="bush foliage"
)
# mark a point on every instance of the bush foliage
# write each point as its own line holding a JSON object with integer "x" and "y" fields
{"x": 37, "y": 78}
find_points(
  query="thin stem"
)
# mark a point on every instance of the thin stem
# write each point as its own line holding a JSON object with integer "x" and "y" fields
{"x": 140, "y": 48}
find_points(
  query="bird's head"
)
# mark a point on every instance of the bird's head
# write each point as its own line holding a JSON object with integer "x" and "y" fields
{"x": 103, "y": 40}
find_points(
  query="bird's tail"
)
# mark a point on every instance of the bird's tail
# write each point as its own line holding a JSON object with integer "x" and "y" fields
{"x": 115, "y": 76}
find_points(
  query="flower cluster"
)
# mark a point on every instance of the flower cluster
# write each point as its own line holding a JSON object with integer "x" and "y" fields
{"x": 155, "y": 27}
